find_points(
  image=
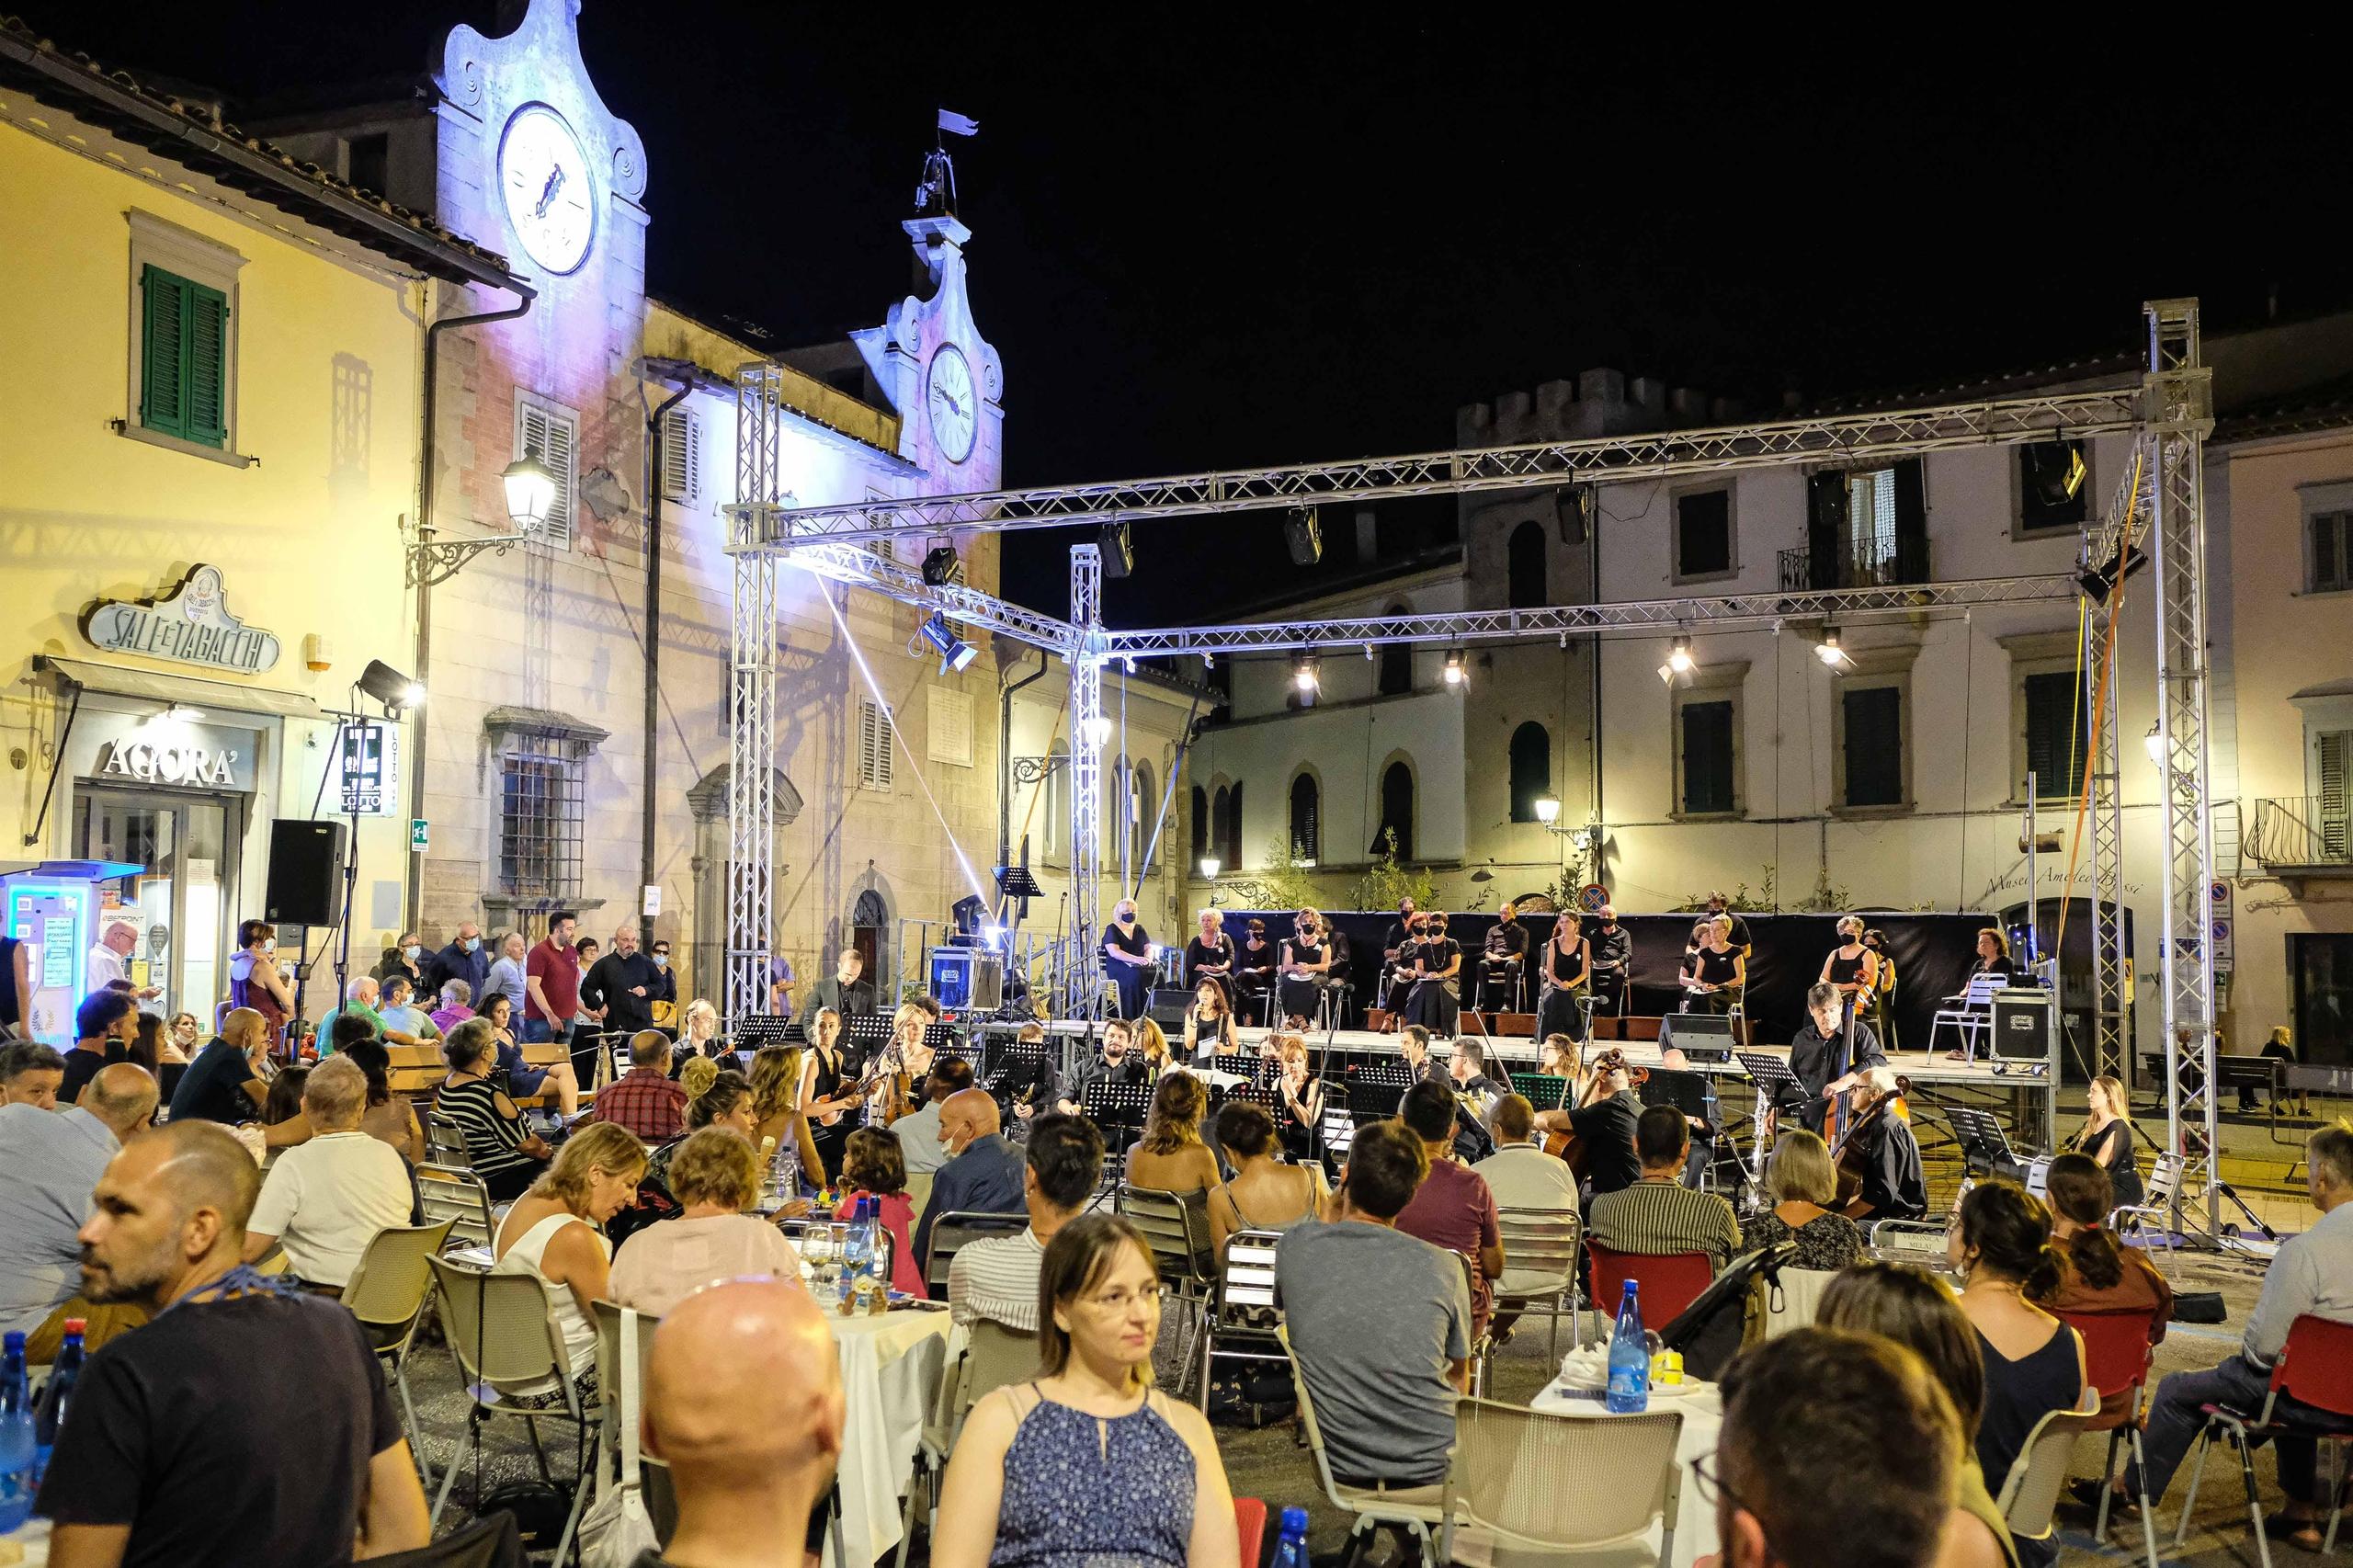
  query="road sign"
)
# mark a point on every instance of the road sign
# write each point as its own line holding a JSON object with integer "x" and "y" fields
{"x": 416, "y": 836}
{"x": 2218, "y": 895}
{"x": 2223, "y": 937}
{"x": 1591, "y": 897}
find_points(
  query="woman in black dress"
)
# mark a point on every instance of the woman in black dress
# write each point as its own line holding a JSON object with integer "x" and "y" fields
{"x": 1435, "y": 962}
{"x": 1852, "y": 967}
{"x": 1994, "y": 954}
{"x": 1303, "y": 965}
{"x": 2106, "y": 1136}
{"x": 1209, "y": 1024}
{"x": 1566, "y": 966}
{"x": 1209, "y": 955}
{"x": 825, "y": 1100}
{"x": 1718, "y": 974}
{"x": 1880, "y": 1008}
{"x": 1254, "y": 973}
{"x": 1127, "y": 949}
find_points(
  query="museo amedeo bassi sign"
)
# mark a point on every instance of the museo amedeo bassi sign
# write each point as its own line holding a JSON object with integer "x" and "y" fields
{"x": 190, "y": 625}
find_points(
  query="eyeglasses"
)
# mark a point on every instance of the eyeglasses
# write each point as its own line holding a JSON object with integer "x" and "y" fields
{"x": 1707, "y": 1471}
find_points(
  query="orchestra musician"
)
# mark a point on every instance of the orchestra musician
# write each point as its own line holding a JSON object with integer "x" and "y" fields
{"x": 1304, "y": 962}
{"x": 1881, "y": 1007}
{"x": 1253, "y": 971}
{"x": 1468, "y": 1069}
{"x": 1567, "y": 964}
{"x": 1852, "y": 967}
{"x": 1505, "y": 955}
{"x": 1209, "y": 1024}
{"x": 1209, "y": 955}
{"x": 1403, "y": 933}
{"x": 1879, "y": 1147}
{"x": 905, "y": 1061}
{"x": 1718, "y": 972}
{"x": 1602, "y": 1123}
{"x": 1434, "y": 964}
{"x": 1829, "y": 1054}
{"x": 1414, "y": 1044}
{"x": 1028, "y": 1085}
{"x": 1300, "y": 1097}
{"x": 1609, "y": 949}
{"x": 1116, "y": 1064}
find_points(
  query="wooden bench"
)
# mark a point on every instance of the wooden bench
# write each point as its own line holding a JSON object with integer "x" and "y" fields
{"x": 417, "y": 1070}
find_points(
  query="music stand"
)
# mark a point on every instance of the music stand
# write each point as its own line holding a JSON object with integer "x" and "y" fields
{"x": 1776, "y": 1086}
{"x": 1375, "y": 1091}
{"x": 1984, "y": 1147}
{"x": 763, "y": 1029}
{"x": 1025, "y": 1063}
{"x": 1541, "y": 1090}
{"x": 1117, "y": 1110}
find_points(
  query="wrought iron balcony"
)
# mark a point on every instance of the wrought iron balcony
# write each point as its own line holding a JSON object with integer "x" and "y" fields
{"x": 1874, "y": 563}
{"x": 2303, "y": 834}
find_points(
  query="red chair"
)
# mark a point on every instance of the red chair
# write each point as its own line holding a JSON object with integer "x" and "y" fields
{"x": 2117, "y": 1358}
{"x": 2314, "y": 1368}
{"x": 1250, "y": 1520}
{"x": 1666, "y": 1283}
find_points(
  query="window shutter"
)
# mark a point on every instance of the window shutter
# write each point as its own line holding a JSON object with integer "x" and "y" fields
{"x": 1706, "y": 757}
{"x": 1825, "y": 524}
{"x": 2335, "y": 762}
{"x": 873, "y": 746}
{"x": 162, "y": 388}
{"x": 1233, "y": 828}
{"x": 681, "y": 456}
{"x": 1909, "y": 484}
{"x": 549, "y": 437}
{"x": 1874, "y": 717}
{"x": 207, "y": 361}
{"x": 2053, "y": 745}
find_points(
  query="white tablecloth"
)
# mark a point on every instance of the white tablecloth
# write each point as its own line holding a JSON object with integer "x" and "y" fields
{"x": 1703, "y": 1418}
{"x": 891, "y": 1371}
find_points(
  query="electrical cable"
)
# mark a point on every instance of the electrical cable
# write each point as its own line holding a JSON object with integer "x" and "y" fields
{"x": 1968, "y": 704}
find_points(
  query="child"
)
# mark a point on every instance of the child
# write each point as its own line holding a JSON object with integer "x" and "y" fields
{"x": 872, "y": 1166}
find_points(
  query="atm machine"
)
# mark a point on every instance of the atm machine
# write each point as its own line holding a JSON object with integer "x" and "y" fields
{"x": 52, "y": 907}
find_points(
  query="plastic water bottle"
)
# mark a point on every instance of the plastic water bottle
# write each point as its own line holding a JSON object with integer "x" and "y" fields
{"x": 18, "y": 1448}
{"x": 1629, "y": 1357}
{"x": 858, "y": 1255}
{"x": 1290, "y": 1547}
{"x": 49, "y": 1413}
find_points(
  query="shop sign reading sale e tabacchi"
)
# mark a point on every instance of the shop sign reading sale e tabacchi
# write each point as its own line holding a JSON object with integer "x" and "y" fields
{"x": 190, "y": 625}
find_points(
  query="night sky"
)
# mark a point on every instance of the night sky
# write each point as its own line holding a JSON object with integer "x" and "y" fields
{"x": 1221, "y": 240}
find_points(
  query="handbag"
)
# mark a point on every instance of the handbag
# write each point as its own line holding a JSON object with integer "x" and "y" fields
{"x": 617, "y": 1527}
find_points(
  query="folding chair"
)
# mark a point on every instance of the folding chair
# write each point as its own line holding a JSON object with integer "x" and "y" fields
{"x": 1969, "y": 1014}
{"x": 444, "y": 1145}
{"x": 1561, "y": 1484}
{"x": 1540, "y": 1277}
{"x": 2151, "y": 1218}
{"x": 503, "y": 1335}
{"x": 1667, "y": 1283}
{"x": 2117, "y": 1358}
{"x": 1416, "y": 1508}
{"x": 387, "y": 1292}
{"x": 1176, "y": 1227}
{"x": 2315, "y": 1368}
{"x": 455, "y": 1194}
{"x": 2037, "y": 1475}
{"x": 1243, "y": 1307}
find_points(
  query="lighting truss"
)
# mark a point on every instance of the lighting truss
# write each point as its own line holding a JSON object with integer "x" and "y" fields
{"x": 1851, "y": 438}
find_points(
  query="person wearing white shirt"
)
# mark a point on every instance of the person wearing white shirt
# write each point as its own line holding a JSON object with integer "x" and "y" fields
{"x": 325, "y": 1200}
{"x": 109, "y": 960}
{"x": 1522, "y": 1175}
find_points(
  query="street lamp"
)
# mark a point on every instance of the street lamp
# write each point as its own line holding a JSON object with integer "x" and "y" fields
{"x": 1548, "y": 810}
{"x": 1210, "y": 865}
{"x": 530, "y": 492}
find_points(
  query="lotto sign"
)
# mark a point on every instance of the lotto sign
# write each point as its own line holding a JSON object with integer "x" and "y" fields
{"x": 370, "y": 770}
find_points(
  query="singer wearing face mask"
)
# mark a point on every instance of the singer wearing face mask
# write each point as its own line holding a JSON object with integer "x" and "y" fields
{"x": 253, "y": 979}
{"x": 467, "y": 958}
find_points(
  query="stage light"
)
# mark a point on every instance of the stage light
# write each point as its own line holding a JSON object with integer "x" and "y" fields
{"x": 1099, "y": 732}
{"x": 2058, "y": 470}
{"x": 993, "y": 934}
{"x": 2156, "y": 744}
{"x": 1210, "y": 865}
{"x": 1304, "y": 532}
{"x": 1303, "y": 673}
{"x": 390, "y": 687}
{"x": 1548, "y": 810}
{"x": 953, "y": 650}
{"x": 1678, "y": 663}
{"x": 1454, "y": 667}
{"x": 942, "y": 566}
{"x": 1830, "y": 652}
{"x": 1119, "y": 550}
{"x": 530, "y": 494}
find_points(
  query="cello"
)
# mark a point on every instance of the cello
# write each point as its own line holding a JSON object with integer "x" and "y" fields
{"x": 1568, "y": 1144}
{"x": 1849, "y": 1153}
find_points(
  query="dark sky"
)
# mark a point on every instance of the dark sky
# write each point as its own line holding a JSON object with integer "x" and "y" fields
{"x": 1203, "y": 240}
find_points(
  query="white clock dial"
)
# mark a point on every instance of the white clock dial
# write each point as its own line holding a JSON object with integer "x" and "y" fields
{"x": 955, "y": 406}
{"x": 543, "y": 175}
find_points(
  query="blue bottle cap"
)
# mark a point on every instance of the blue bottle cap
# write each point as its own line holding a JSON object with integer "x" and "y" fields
{"x": 13, "y": 1342}
{"x": 1294, "y": 1521}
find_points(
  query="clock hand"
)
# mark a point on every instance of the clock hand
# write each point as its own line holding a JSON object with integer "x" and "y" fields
{"x": 555, "y": 183}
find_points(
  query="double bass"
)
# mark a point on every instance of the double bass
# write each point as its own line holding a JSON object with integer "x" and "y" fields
{"x": 1571, "y": 1146}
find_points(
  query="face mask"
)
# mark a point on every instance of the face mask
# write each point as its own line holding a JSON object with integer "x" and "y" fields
{"x": 469, "y": 944}
{"x": 412, "y": 952}
{"x": 269, "y": 944}
{"x": 661, "y": 960}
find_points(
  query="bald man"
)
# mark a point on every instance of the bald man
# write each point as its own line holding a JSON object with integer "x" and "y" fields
{"x": 750, "y": 1454}
{"x": 49, "y": 1162}
{"x": 224, "y": 1083}
{"x": 187, "y": 1437}
{"x": 983, "y": 1175}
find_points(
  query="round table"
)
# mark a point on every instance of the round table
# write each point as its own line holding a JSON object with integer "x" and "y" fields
{"x": 1703, "y": 1418}
{"x": 891, "y": 1371}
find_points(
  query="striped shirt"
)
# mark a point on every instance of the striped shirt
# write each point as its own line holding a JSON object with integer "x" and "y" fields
{"x": 997, "y": 1280}
{"x": 1660, "y": 1217}
{"x": 493, "y": 1142}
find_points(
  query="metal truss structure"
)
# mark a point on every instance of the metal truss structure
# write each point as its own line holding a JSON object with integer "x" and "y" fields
{"x": 2169, "y": 412}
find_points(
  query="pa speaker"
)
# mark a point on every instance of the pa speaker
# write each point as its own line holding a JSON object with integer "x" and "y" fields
{"x": 305, "y": 872}
{"x": 1167, "y": 1007}
{"x": 1701, "y": 1037}
{"x": 1118, "y": 550}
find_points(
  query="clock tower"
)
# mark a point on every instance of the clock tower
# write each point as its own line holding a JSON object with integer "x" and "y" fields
{"x": 934, "y": 367}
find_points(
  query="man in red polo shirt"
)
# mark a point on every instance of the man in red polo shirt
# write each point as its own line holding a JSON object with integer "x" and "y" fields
{"x": 551, "y": 983}
{"x": 644, "y": 1100}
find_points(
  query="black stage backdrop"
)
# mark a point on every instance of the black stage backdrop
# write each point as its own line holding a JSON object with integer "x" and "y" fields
{"x": 1933, "y": 954}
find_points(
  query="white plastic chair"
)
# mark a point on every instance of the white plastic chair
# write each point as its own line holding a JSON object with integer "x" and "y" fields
{"x": 2039, "y": 1474}
{"x": 1540, "y": 1482}
{"x": 1414, "y": 1508}
{"x": 1791, "y": 1299}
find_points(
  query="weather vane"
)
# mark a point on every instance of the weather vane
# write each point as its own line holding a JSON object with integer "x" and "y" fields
{"x": 936, "y": 197}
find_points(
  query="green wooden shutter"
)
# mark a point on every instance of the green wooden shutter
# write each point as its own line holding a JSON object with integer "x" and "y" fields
{"x": 1874, "y": 717}
{"x": 207, "y": 360}
{"x": 1706, "y": 757}
{"x": 163, "y": 392}
{"x": 2053, "y": 740}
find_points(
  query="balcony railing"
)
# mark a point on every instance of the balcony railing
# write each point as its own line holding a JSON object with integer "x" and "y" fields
{"x": 2307, "y": 832}
{"x": 1873, "y": 562}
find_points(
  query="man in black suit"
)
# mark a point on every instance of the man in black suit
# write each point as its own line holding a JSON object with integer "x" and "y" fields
{"x": 843, "y": 991}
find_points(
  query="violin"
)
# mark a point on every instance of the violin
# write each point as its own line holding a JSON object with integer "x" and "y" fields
{"x": 1848, "y": 1154}
{"x": 1571, "y": 1146}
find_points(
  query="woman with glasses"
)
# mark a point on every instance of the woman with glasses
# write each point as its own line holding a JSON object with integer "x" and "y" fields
{"x": 1305, "y": 961}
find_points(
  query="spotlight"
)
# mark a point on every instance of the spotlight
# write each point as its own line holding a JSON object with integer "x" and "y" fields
{"x": 942, "y": 566}
{"x": 1119, "y": 550}
{"x": 1099, "y": 732}
{"x": 2056, "y": 471}
{"x": 1678, "y": 663}
{"x": 1304, "y": 532}
{"x": 953, "y": 650}
{"x": 1211, "y": 866}
{"x": 1830, "y": 652}
{"x": 2156, "y": 744}
{"x": 1303, "y": 673}
{"x": 390, "y": 687}
{"x": 1454, "y": 666}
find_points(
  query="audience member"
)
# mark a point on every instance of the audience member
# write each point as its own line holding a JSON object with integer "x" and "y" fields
{"x": 405, "y": 1014}
{"x": 2096, "y": 1275}
{"x": 29, "y": 1074}
{"x": 622, "y": 987}
{"x": 1920, "y": 1312}
{"x": 388, "y": 1116}
{"x": 873, "y": 1167}
{"x": 751, "y": 1455}
{"x": 715, "y": 1176}
{"x": 984, "y": 1173}
{"x": 551, "y": 1235}
{"x": 151, "y": 1044}
{"x": 325, "y": 1200}
{"x": 1171, "y": 1158}
{"x": 1793, "y": 1403}
{"x": 501, "y": 1151}
{"x": 1381, "y": 1322}
{"x": 551, "y": 980}
{"x": 1525, "y": 1180}
{"x": 996, "y": 1278}
{"x": 467, "y": 958}
{"x": 1265, "y": 1194}
{"x": 1803, "y": 1181}
{"x": 522, "y": 1077}
{"x": 506, "y": 976}
{"x": 645, "y": 1101}
{"x": 918, "y": 1130}
{"x": 1008, "y": 1501}
{"x": 2311, "y": 1276}
{"x": 103, "y": 1025}
{"x": 360, "y": 993}
{"x": 189, "y": 1438}
{"x": 724, "y": 1101}
{"x": 50, "y": 1161}
{"x": 2000, "y": 1245}
{"x": 1658, "y": 1215}
{"x": 226, "y": 1082}
{"x": 1452, "y": 1207}
{"x": 283, "y": 1103}
{"x": 457, "y": 998}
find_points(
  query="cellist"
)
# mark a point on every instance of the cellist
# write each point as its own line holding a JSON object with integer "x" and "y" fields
{"x": 1881, "y": 1151}
{"x": 1829, "y": 1054}
{"x": 1602, "y": 1123}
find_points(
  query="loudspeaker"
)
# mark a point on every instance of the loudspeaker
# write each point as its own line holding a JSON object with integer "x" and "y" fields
{"x": 1118, "y": 550}
{"x": 1167, "y": 1007}
{"x": 1304, "y": 532}
{"x": 1701, "y": 1037}
{"x": 305, "y": 872}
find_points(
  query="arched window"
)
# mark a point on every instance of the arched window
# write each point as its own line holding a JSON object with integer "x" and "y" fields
{"x": 1526, "y": 580}
{"x": 869, "y": 920}
{"x": 1396, "y": 812}
{"x": 1396, "y": 662}
{"x": 1532, "y": 769}
{"x": 1232, "y": 853}
{"x": 1305, "y": 809}
{"x": 1200, "y": 825}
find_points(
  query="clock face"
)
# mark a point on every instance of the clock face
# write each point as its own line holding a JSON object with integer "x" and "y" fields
{"x": 544, "y": 175}
{"x": 955, "y": 406}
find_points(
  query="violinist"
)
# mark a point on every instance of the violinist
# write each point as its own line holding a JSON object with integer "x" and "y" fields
{"x": 1880, "y": 1149}
{"x": 1829, "y": 1054}
{"x": 1565, "y": 965}
{"x": 1603, "y": 1124}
